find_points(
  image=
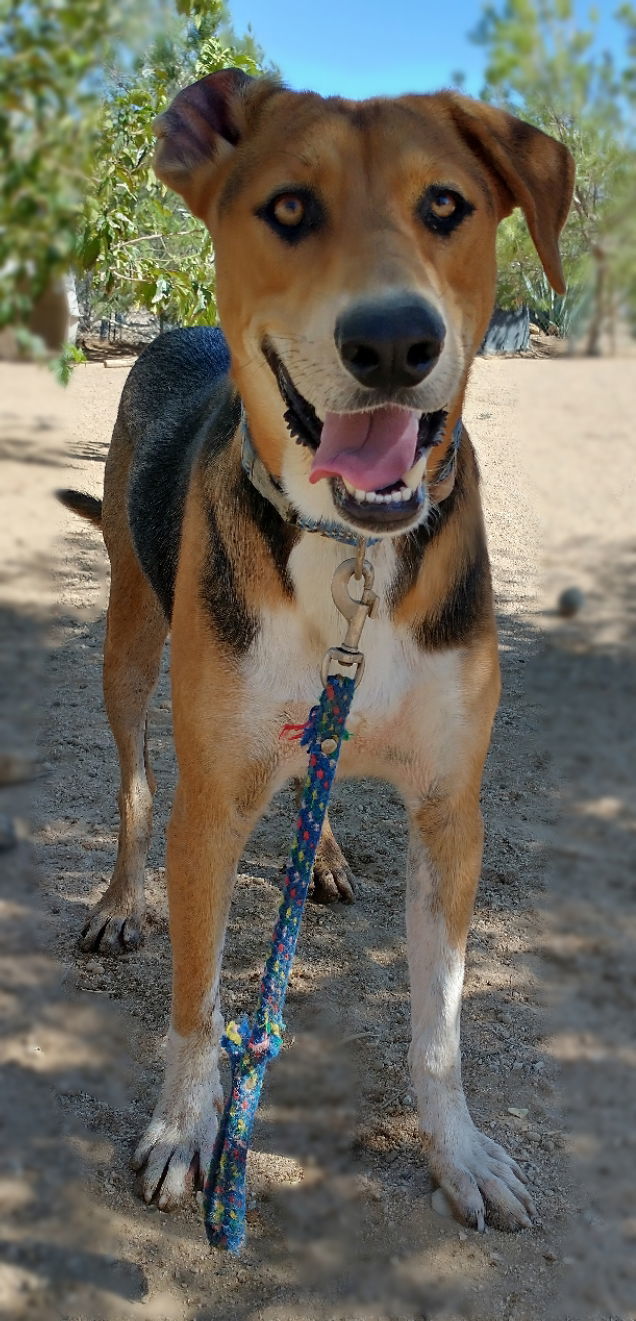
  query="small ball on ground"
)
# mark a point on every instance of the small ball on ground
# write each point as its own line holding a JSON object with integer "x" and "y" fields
{"x": 570, "y": 602}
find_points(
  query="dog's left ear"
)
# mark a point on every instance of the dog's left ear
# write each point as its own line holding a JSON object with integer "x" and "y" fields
{"x": 532, "y": 170}
{"x": 200, "y": 130}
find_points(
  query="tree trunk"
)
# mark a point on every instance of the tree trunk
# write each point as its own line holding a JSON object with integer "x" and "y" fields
{"x": 593, "y": 347}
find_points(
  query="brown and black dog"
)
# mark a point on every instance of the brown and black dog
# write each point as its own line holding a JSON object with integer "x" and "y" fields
{"x": 355, "y": 265}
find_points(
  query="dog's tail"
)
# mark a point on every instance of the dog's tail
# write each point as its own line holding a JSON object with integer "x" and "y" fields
{"x": 87, "y": 506}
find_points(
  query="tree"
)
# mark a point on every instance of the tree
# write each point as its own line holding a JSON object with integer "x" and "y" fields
{"x": 50, "y": 58}
{"x": 542, "y": 66}
{"x": 76, "y": 138}
{"x": 139, "y": 241}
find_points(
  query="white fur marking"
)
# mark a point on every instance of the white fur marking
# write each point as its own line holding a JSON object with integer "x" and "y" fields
{"x": 408, "y": 699}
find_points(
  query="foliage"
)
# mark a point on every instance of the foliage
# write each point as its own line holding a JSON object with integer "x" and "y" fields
{"x": 49, "y": 60}
{"x": 140, "y": 242}
{"x": 543, "y": 66}
{"x": 64, "y": 362}
{"x": 76, "y": 136}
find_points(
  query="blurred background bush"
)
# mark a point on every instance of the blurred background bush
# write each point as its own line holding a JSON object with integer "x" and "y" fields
{"x": 84, "y": 80}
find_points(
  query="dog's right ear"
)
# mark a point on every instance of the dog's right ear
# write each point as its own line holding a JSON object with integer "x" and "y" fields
{"x": 199, "y": 131}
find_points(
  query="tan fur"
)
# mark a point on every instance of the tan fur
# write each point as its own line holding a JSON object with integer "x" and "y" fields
{"x": 450, "y": 823}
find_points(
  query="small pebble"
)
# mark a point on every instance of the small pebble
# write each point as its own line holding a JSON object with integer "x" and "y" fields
{"x": 570, "y": 602}
{"x": 550, "y": 1255}
{"x": 441, "y": 1204}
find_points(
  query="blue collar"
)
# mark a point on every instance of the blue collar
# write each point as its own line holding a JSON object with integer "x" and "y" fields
{"x": 264, "y": 483}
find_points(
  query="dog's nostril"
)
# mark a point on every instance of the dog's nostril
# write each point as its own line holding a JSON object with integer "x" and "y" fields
{"x": 419, "y": 355}
{"x": 361, "y": 357}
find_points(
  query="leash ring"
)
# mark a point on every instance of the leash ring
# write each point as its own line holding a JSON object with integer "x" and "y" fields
{"x": 345, "y": 657}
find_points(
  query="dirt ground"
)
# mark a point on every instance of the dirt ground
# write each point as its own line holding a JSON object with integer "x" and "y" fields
{"x": 341, "y": 1226}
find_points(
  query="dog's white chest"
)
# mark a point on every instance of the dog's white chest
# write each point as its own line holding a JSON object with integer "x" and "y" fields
{"x": 407, "y": 708}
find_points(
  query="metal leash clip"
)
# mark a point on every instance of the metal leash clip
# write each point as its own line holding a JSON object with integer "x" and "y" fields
{"x": 355, "y": 610}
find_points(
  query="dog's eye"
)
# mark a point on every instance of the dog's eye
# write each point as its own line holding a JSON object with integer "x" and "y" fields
{"x": 292, "y": 214}
{"x": 443, "y": 205}
{"x": 443, "y": 209}
{"x": 289, "y": 209}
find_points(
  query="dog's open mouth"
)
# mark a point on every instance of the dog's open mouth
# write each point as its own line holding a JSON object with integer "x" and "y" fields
{"x": 375, "y": 461}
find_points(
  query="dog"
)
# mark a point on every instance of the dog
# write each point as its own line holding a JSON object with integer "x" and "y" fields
{"x": 355, "y": 272}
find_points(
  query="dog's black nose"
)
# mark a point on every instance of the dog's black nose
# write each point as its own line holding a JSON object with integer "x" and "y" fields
{"x": 391, "y": 344}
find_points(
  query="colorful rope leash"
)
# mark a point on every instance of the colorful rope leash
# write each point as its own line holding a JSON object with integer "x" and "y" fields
{"x": 251, "y": 1045}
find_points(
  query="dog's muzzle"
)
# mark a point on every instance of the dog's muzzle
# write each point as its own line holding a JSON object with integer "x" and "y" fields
{"x": 390, "y": 507}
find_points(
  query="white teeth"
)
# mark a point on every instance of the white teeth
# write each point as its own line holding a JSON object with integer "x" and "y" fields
{"x": 413, "y": 477}
{"x": 379, "y": 497}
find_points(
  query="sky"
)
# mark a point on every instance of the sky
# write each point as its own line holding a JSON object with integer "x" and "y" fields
{"x": 363, "y": 48}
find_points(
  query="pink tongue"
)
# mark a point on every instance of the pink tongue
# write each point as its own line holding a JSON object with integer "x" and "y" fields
{"x": 370, "y": 450}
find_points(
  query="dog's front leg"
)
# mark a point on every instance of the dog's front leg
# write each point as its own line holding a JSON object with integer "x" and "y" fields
{"x": 479, "y": 1178}
{"x": 208, "y": 828}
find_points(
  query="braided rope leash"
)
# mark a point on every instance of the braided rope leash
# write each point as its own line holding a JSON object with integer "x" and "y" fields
{"x": 251, "y": 1045}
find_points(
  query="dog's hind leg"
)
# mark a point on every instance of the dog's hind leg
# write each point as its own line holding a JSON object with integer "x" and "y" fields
{"x": 136, "y": 630}
{"x": 332, "y": 877}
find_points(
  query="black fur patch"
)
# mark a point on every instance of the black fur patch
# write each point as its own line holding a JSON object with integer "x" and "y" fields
{"x": 234, "y": 624}
{"x": 87, "y": 506}
{"x": 468, "y": 597}
{"x": 413, "y": 546}
{"x": 280, "y": 537}
{"x": 180, "y": 412}
{"x": 456, "y": 619}
{"x": 177, "y": 404}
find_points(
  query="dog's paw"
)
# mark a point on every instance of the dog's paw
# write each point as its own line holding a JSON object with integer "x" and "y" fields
{"x": 172, "y": 1159}
{"x": 332, "y": 879}
{"x": 483, "y": 1184}
{"x": 174, "y": 1153}
{"x": 111, "y": 932}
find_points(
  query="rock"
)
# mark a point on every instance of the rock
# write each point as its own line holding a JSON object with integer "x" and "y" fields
{"x": 570, "y": 602}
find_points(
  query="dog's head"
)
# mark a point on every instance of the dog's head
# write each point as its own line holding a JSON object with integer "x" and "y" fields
{"x": 355, "y": 271}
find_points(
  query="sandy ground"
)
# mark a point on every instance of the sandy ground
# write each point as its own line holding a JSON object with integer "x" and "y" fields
{"x": 341, "y": 1225}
